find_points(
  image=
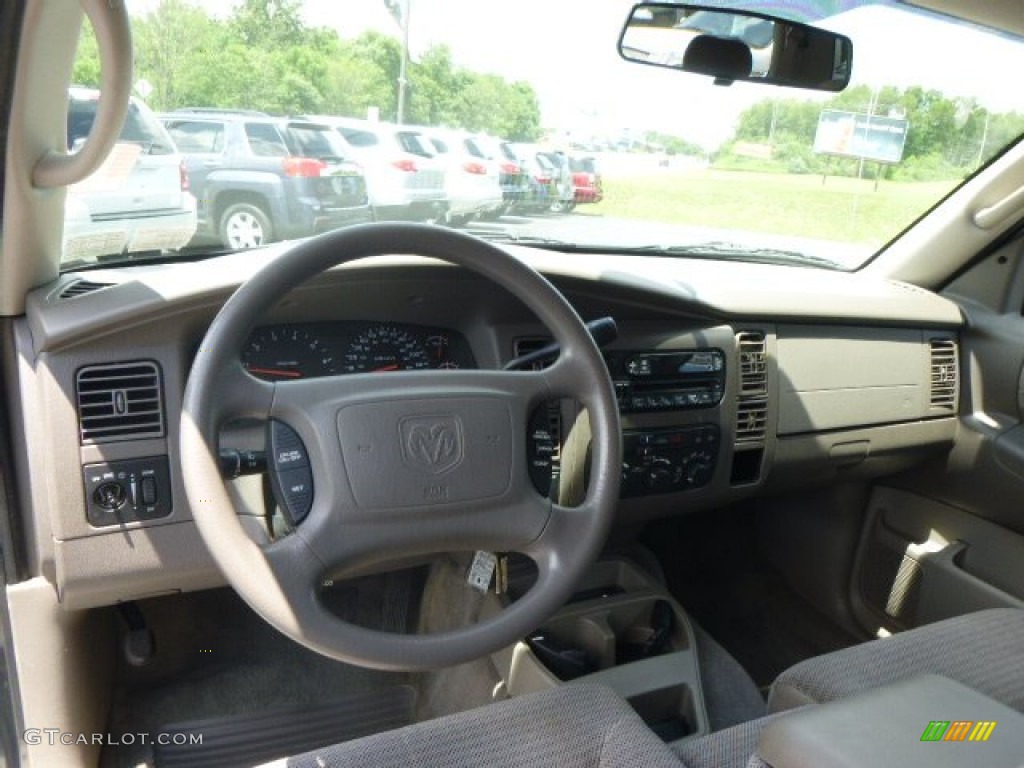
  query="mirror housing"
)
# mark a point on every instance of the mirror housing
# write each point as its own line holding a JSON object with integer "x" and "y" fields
{"x": 731, "y": 45}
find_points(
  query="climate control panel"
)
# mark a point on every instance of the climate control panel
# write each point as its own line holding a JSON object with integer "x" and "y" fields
{"x": 669, "y": 460}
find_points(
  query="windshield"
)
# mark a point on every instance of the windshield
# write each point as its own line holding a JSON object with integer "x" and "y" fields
{"x": 566, "y": 144}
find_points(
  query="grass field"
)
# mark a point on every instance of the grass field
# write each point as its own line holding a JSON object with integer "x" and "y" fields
{"x": 841, "y": 209}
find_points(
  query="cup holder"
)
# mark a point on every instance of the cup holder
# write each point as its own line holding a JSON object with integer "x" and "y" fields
{"x": 607, "y": 636}
{"x": 669, "y": 712}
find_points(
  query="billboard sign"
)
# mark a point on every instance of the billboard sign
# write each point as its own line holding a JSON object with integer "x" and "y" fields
{"x": 849, "y": 134}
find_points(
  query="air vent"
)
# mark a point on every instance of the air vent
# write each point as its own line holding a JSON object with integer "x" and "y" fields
{"x": 528, "y": 344}
{"x": 753, "y": 371}
{"x": 751, "y": 418}
{"x": 120, "y": 401}
{"x": 752, "y": 402}
{"x": 82, "y": 287}
{"x": 944, "y": 374}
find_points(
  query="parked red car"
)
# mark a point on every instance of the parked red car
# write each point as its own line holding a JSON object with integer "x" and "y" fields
{"x": 586, "y": 180}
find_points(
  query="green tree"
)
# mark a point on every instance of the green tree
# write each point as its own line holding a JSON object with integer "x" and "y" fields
{"x": 87, "y": 60}
{"x": 520, "y": 120}
{"x": 364, "y": 74}
{"x": 269, "y": 24}
{"x": 436, "y": 87}
{"x": 179, "y": 49}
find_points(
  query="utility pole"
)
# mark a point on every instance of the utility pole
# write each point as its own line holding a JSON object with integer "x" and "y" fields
{"x": 872, "y": 104}
{"x": 399, "y": 9}
{"x": 403, "y": 67}
{"x": 984, "y": 141}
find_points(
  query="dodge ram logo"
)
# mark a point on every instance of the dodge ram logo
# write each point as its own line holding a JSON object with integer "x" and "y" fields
{"x": 433, "y": 443}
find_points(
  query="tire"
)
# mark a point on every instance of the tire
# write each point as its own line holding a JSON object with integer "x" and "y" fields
{"x": 561, "y": 206}
{"x": 244, "y": 225}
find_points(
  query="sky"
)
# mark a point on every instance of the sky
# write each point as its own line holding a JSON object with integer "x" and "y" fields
{"x": 566, "y": 49}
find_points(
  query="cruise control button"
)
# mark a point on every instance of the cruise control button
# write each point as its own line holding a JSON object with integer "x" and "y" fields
{"x": 286, "y": 447}
{"x": 296, "y": 492}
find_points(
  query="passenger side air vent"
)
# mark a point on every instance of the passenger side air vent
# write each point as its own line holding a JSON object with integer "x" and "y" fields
{"x": 944, "y": 374}
{"x": 82, "y": 287}
{"x": 752, "y": 402}
{"x": 528, "y": 344}
{"x": 119, "y": 401}
{"x": 751, "y": 419}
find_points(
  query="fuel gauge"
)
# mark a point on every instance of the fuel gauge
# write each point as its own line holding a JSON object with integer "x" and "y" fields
{"x": 438, "y": 348}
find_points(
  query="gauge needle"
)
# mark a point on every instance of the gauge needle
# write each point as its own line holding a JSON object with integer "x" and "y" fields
{"x": 274, "y": 372}
{"x": 392, "y": 367}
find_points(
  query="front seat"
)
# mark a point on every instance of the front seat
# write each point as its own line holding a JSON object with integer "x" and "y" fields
{"x": 585, "y": 725}
{"x": 572, "y": 726}
{"x": 983, "y": 651}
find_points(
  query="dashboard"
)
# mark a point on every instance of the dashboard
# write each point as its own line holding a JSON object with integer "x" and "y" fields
{"x": 732, "y": 380}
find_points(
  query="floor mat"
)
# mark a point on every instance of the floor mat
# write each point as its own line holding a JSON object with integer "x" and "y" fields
{"x": 216, "y": 659}
{"x": 253, "y": 739}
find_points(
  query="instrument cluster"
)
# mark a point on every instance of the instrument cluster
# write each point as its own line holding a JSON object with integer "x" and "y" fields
{"x": 307, "y": 350}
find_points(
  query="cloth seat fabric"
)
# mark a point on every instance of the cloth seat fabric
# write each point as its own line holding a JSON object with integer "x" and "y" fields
{"x": 572, "y": 726}
{"x": 581, "y": 725}
{"x": 983, "y": 650}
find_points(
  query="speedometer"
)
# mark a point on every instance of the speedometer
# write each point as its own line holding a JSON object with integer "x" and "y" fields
{"x": 385, "y": 348}
{"x": 287, "y": 352}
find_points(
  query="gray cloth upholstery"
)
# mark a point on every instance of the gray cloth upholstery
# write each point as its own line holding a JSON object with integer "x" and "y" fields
{"x": 730, "y": 694}
{"x": 731, "y": 748}
{"x": 984, "y": 651}
{"x": 571, "y": 726}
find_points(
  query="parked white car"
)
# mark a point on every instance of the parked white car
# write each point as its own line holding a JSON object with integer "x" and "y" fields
{"x": 472, "y": 182}
{"x": 138, "y": 200}
{"x": 403, "y": 178}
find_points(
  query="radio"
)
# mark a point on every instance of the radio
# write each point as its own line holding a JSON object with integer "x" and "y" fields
{"x": 667, "y": 381}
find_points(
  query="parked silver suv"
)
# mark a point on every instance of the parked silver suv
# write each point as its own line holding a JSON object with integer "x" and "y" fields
{"x": 403, "y": 177}
{"x": 138, "y": 200}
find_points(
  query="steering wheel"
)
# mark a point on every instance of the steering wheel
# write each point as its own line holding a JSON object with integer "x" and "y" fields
{"x": 402, "y": 464}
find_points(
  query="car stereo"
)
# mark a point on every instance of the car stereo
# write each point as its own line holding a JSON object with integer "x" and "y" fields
{"x": 667, "y": 381}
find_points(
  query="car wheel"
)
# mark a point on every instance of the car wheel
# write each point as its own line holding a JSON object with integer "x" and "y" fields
{"x": 560, "y": 206}
{"x": 244, "y": 225}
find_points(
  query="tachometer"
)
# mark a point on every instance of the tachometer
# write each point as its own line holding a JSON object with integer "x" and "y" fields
{"x": 287, "y": 352}
{"x": 385, "y": 348}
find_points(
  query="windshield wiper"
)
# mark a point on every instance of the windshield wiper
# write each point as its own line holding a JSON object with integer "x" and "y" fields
{"x": 735, "y": 252}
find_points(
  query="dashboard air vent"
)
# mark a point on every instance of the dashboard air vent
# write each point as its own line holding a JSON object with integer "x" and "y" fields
{"x": 528, "y": 344}
{"x": 81, "y": 287}
{"x": 752, "y": 402}
{"x": 944, "y": 374}
{"x": 753, "y": 371}
{"x": 751, "y": 418}
{"x": 119, "y": 401}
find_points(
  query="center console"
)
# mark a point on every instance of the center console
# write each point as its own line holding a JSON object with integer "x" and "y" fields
{"x": 622, "y": 630}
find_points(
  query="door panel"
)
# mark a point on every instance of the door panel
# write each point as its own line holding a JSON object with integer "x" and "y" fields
{"x": 948, "y": 538}
{"x": 921, "y": 560}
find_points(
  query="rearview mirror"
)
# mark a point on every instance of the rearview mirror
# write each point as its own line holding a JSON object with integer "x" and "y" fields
{"x": 734, "y": 45}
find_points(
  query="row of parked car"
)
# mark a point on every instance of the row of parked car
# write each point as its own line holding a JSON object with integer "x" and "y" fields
{"x": 246, "y": 178}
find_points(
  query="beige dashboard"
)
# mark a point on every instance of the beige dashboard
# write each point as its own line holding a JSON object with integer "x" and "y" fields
{"x": 733, "y": 378}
